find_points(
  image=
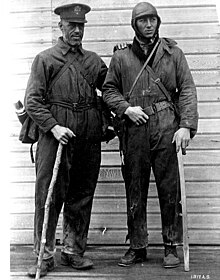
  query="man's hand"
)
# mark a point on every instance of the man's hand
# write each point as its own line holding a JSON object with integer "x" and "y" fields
{"x": 181, "y": 137}
{"x": 62, "y": 134}
{"x": 120, "y": 46}
{"x": 137, "y": 115}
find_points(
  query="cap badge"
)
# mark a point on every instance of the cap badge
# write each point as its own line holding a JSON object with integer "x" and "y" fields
{"x": 77, "y": 9}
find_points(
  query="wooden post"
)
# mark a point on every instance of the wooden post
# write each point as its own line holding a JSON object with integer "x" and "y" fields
{"x": 184, "y": 211}
{"x": 47, "y": 209}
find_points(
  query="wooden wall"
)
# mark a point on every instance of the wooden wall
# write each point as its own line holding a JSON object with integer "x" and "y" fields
{"x": 194, "y": 25}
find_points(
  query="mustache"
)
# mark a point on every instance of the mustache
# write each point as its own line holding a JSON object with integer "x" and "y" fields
{"x": 73, "y": 33}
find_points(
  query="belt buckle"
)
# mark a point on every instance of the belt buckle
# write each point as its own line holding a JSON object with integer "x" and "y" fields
{"x": 74, "y": 105}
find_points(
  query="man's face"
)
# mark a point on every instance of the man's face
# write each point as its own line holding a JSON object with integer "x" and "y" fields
{"x": 147, "y": 25}
{"x": 72, "y": 32}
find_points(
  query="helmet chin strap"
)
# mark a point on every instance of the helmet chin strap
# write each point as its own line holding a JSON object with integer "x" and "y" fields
{"x": 147, "y": 41}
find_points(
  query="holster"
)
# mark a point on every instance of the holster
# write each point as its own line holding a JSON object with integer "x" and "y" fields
{"x": 118, "y": 125}
{"x": 108, "y": 132}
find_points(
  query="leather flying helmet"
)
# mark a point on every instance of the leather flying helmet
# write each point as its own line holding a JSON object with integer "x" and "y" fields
{"x": 143, "y": 9}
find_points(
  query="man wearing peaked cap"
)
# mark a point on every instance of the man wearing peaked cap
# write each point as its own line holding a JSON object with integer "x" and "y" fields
{"x": 66, "y": 113}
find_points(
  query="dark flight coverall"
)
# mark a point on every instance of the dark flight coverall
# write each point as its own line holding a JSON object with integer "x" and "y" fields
{"x": 150, "y": 145}
{"x": 71, "y": 103}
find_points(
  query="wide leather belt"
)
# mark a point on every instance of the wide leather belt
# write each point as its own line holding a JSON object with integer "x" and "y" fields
{"x": 76, "y": 107}
{"x": 156, "y": 107}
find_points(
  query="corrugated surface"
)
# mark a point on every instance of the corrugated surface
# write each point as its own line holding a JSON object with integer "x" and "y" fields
{"x": 194, "y": 25}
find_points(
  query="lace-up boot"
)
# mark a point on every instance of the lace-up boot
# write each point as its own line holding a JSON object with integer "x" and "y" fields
{"x": 171, "y": 259}
{"x": 133, "y": 256}
{"x": 47, "y": 265}
{"x": 76, "y": 261}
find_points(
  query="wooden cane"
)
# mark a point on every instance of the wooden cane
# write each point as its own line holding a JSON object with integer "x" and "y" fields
{"x": 184, "y": 211}
{"x": 47, "y": 208}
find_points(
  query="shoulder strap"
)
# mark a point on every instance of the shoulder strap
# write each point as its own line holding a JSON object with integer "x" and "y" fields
{"x": 142, "y": 69}
{"x": 85, "y": 74}
{"x": 159, "y": 83}
{"x": 60, "y": 73}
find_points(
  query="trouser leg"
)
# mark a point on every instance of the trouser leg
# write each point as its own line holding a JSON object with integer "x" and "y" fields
{"x": 136, "y": 173}
{"x": 167, "y": 180}
{"x": 45, "y": 158}
{"x": 165, "y": 167}
{"x": 77, "y": 209}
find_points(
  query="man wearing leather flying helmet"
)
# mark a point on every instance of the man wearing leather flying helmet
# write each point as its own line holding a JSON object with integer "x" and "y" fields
{"x": 157, "y": 118}
{"x": 144, "y": 10}
{"x": 69, "y": 116}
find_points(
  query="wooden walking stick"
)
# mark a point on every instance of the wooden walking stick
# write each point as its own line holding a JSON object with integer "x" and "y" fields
{"x": 47, "y": 209}
{"x": 184, "y": 211}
